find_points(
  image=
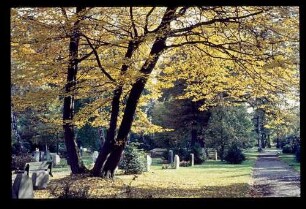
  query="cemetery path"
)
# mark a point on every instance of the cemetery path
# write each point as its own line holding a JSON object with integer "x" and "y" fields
{"x": 274, "y": 178}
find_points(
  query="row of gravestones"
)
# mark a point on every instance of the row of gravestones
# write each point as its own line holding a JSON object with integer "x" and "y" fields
{"x": 148, "y": 160}
{"x": 49, "y": 156}
{"x": 177, "y": 159}
{"x": 24, "y": 185}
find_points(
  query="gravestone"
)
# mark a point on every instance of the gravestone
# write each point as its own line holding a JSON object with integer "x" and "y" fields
{"x": 170, "y": 157}
{"x": 40, "y": 179}
{"x": 176, "y": 161}
{"x": 42, "y": 156}
{"x": 216, "y": 155}
{"x": 81, "y": 151}
{"x": 36, "y": 155}
{"x": 55, "y": 158}
{"x": 95, "y": 156}
{"x": 149, "y": 162}
{"x": 22, "y": 187}
{"x": 48, "y": 156}
{"x": 192, "y": 159}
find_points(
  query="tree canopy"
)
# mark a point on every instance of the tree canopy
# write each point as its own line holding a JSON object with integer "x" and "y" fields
{"x": 228, "y": 54}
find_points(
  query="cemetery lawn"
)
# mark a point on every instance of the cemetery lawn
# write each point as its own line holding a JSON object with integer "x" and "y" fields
{"x": 211, "y": 179}
{"x": 290, "y": 160}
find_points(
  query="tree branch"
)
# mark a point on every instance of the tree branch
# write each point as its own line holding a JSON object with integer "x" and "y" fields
{"x": 98, "y": 59}
{"x": 133, "y": 22}
{"x": 228, "y": 19}
{"x": 147, "y": 20}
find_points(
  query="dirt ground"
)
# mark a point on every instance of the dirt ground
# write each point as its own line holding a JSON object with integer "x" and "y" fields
{"x": 274, "y": 178}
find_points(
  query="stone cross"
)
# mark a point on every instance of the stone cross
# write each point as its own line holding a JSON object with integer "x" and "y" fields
{"x": 176, "y": 161}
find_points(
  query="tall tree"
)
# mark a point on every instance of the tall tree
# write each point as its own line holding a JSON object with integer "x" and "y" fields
{"x": 217, "y": 50}
{"x": 229, "y": 125}
{"x": 73, "y": 157}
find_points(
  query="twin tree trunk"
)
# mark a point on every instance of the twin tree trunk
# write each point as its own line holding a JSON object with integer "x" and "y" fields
{"x": 73, "y": 157}
{"x": 112, "y": 149}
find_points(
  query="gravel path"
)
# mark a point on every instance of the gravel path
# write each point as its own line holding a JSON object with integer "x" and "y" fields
{"x": 274, "y": 178}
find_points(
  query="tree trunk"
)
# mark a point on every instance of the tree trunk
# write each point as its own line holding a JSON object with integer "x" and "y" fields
{"x": 17, "y": 135}
{"x": 110, "y": 137}
{"x": 73, "y": 157}
{"x": 109, "y": 157}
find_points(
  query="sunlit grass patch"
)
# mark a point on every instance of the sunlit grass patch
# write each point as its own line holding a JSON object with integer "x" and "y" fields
{"x": 211, "y": 179}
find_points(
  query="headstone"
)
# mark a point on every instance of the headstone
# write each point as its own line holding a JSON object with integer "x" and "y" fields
{"x": 176, "y": 161}
{"x": 36, "y": 155}
{"x": 48, "y": 156}
{"x": 95, "y": 156}
{"x": 81, "y": 151}
{"x": 216, "y": 155}
{"x": 42, "y": 156}
{"x": 16, "y": 185}
{"x": 170, "y": 157}
{"x": 149, "y": 162}
{"x": 40, "y": 179}
{"x": 55, "y": 158}
{"x": 192, "y": 159}
{"x": 22, "y": 187}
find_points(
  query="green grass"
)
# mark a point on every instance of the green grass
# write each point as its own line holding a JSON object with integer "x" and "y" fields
{"x": 211, "y": 179}
{"x": 290, "y": 160}
{"x": 63, "y": 166}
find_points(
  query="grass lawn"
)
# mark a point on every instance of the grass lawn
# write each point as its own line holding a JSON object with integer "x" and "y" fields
{"x": 211, "y": 179}
{"x": 290, "y": 160}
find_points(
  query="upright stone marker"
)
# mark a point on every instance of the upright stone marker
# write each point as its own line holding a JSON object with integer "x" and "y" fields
{"x": 170, "y": 157}
{"x": 36, "y": 155}
{"x": 95, "y": 156}
{"x": 149, "y": 162}
{"x": 192, "y": 159}
{"x": 22, "y": 187}
{"x": 176, "y": 161}
{"x": 55, "y": 158}
{"x": 42, "y": 156}
{"x": 216, "y": 155}
{"x": 48, "y": 156}
{"x": 40, "y": 179}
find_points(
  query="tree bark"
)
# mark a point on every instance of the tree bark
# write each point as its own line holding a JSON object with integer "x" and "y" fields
{"x": 73, "y": 157}
{"x": 109, "y": 159}
{"x": 110, "y": 137}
